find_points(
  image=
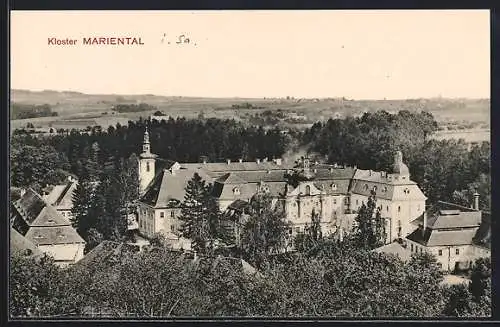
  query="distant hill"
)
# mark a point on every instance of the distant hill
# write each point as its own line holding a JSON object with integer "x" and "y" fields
{"x": 76, "y": 105}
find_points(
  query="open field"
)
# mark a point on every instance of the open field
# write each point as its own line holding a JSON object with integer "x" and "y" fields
{"x": 452, "y": 114}
{"x": 470, "y": 136}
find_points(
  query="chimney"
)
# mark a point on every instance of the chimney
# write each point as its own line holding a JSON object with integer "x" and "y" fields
{"x": 240, "y": 160}
{"x": 424, "y": 226}
{"x": 265, "y": 159}
{"x": 371, "y": 172}
{"x": 277, "y": 161}
{"x": 258, "y": 161}
{"x": 355, "y": 167}
{"x": 228, "y": 161}
{"x": 476, "y": 201}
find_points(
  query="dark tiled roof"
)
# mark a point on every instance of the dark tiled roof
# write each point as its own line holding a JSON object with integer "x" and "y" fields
{"x": 239, "y": 166}
{"x": 53, "y": 235}
{"x": 45, "y": 225}
{"x": 168, "y": 186}
{"x": 230, "y": 178}
{"x": 445, "y": 215}
{"x": 29, "y": 205}
{"x": 331, "y": 172}
{"x": 104, "y": 252}
{"x": 443, "y": 238}
{"x": 19, "y": 243}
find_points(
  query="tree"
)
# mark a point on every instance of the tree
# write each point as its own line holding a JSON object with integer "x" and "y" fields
{"x": 312, "y": 236}
{"x": 265, "y": 230}
{"x": 473, "y": 300}
{"x": 370, "y": 228}
{"x": 37, "y": 288}
{"x": 82, "y": 200}
{"x": 200, "y": 216}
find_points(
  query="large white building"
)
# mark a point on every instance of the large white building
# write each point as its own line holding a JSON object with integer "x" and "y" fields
{"x": 332, "y": 191}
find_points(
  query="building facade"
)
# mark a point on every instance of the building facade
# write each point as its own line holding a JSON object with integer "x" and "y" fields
{"x": 302, "y": 188}
{"x": 455, "y": 235}
{"x": 41, "y": 224}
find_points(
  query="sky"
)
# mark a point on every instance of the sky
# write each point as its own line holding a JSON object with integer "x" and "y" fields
{"x": 353, "y": 54}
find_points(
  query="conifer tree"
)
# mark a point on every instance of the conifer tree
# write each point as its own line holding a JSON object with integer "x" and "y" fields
{"x": 370, "y": 230}
{"x": 82, "y": 201}
{"x": 200, "y": 216}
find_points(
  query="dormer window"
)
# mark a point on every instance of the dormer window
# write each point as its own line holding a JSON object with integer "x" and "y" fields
{"x": 366, "y": 187}
{"x": 236, "y": 191}
{"x": 308, "y": 190}
{"x": 384, "y": 189}
{"x": 407, "y": 191}
{"x": 38, "y": 236}
{"x": 374, "y": 189}
{"x": 334, "y": 186}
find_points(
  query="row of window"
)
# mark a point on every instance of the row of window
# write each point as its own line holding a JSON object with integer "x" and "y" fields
{"x": 457, "y": 252}
{"x": 440, "y": 252}
{"x": 172, "y": 214}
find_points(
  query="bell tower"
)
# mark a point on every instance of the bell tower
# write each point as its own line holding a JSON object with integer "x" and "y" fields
{"x": 146, "y": 164}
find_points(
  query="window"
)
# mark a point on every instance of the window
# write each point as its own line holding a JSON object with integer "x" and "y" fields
{"x": 457, "y": 251}
{"x": 172, "y": 214}
{"x": 162, "y": 214}
{"x": 357, "y": 203}
{"x": 366, "y": 187}
{"x": 290, "y": 231}
{"x": 399, "y": 208}
{"x": 308, "y": 190}
{"x": 334, "y": 186}
{"x": 147, "y": 166}
{"x": 236, "y": 191}
{"x": 411, "y": 246}
{"x": 172, "y": 228}
{"x": 387, "y": 208}
{"x": 421, "y": 250}
{"x": 346, "y": 201}
{"x": 374, "y": 188}
{"x": 440, "y": 252}
{"x": 334, "y": 201}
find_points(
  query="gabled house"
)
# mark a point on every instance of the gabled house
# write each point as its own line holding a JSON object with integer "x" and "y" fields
{"x": 51, "y": 233}
{"x": 454, "y": 234}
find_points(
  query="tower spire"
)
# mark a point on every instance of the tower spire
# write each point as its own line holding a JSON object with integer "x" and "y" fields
{"x": 146, "y": 146}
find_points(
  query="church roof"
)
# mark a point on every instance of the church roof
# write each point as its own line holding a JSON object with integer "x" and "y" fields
{"x": 170, "y": 185}
{"x": 239, "y": 166}
{"x": 385, "y": 190}
{"x": 230, "y": 178}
